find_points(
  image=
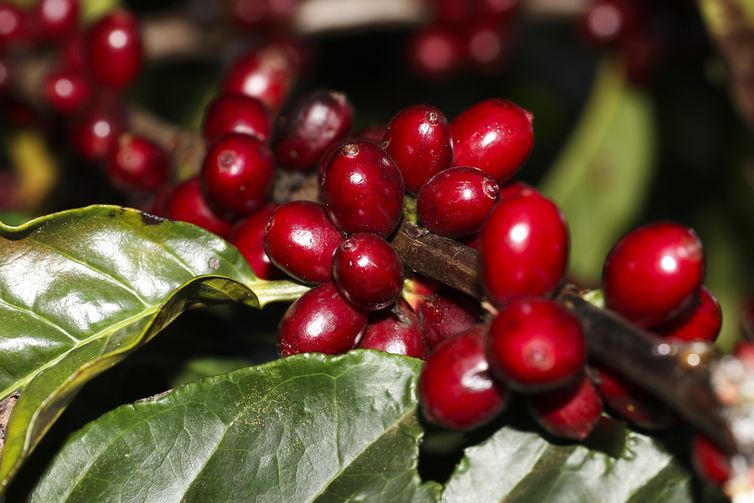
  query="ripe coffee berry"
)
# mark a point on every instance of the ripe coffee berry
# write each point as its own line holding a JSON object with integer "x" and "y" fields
{"x": 442, "y": 315}
{"x": 703, "y": 323}
{"x": 13, "y": 24}
{"x": 115, "y": 50}
{"x": 523, "y": 248}
{"x": 455, "y": 202}
{"x": 320, "y": 321}
{"x": 395, "y": 331}
{"x": 653, "y": 273}
{"x": 368, "y": 271}
{"x": 495, "y": 136}
{"x": 536, "y": 345}
{"x": 237, "y": 113}
{"x": 137, "y": 164}
{"x": 709, "y": 461}
{"x": 571, "y": 412}
{"x": 67, "y": 91}
{"x": 267, "y": 74}
{"x": 248, "y": 237}
{"x": 238, "y": 173}
{"x": 418, "y": 139}
{"x": 56, "y": 18}
{"x": 309, "y": 127}
{"x": 187, "y": 204}
{"x": 435, "y": 52}
{"x": 456, "y": 390}
{"x": 257, "y": 14}
{"x": 301, "y": 241}
{"x": 96, "y": 131}
{"x": 487, "y": 44}
{"x": 610, "y": 21}
{"x": 362, "y": 189}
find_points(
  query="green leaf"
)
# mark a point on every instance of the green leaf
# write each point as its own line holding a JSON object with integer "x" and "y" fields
{"x": 305, "y": 428}
{"x": 82, "y": 289}
{"x": 515, "y": 466}
{"x": 601, "y": 177}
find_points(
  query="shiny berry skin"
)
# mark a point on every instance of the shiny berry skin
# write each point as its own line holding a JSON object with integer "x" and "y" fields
{"x": 137, "y": 164}
{"x": 115, "y": 50}
{"x": 306, "y": 130}
{"x": 238, "y": 173}
{"x": 57, "y": 18}
{"x": 435, "y": 52}
{"x": 67, "y": 91}
{"x": 418, "y": 139}
{"x": 320, "y": 321}
{"x": 96, "y": 131}
{"x": 248, "y": 237}
{"x": 709, "y": 461}
{"x": 301, "y": 241}
{"x": 495, "y": 136}
{"x": 267, "y": 74}
{"x": 536, "y": 345}
{"x": 395, "y": 331}
{"x": 527, "y": 234}
{"x": 187, "y": 204}
{"x": 571, "y": 412}
{"x": 703, "y": 323}
{"x": 456, "y": 390}
{"x": 13, "y": 24}
{"x": 455, "y": 202}
{"x": 237, "y": 113}
{"x": 442, "y": 315}
{"x": 368, "y": 271}
{"x": 362, "y": 189}
{"x": 653, "y": 273}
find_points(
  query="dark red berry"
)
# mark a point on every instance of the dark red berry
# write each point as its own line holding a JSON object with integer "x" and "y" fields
{"x": 571, "y": 412}
{"x": 138, "y": 164}
{"x": 261, "y": 13}
{"x": 523, "y": 248}
{"x": 709, "y": 461}
{"x": 73, "y": 52}
{"x": 115, "y": 49}
{"x": 653, "y": 273}
{"x": 516, "y": 188}
{"x": 495, "y": 136}
{"x": 187, "y": 204}
{"x": 609, "y": 21}
{"x": 267, "y": 74}
{"x": 238, "y": 173}
{"x": 301, "y": 241}
{"x": 455, "y": 202}
{"x": 67, "y": 91}
{"x": 13, "y": 24}
{"x": 744, "y": 351}
{"x": 536, "y": 345}
{"x": 368, "y": 271}
{"x": 395, "y": 331}
{"x": 442, "y": 315}
{"x": 248, "y": 237}
{"x": 374, "y": 133}
{"x": 309, "y": 127}
{"x": 435, "y": 52}
{"x": 418, "y": 139}
{"x": 703, "y": 323}
{"x": 500, "y": 10}
{"x": 237, "y": 113}
{"x": 320, "y": 321}
{"x": 57, "y": 18}
{"x": 96, "y": 131}
{"x": 455, "y": 387}
{"x": 455, "y": 12}
{"x": 362, "y": 189}
{"x": 487, "y": 44}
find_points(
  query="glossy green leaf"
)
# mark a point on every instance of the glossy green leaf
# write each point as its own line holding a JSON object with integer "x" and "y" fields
{"x": 304, "y": 428}
{"x": 82, "y": 289}
{"x": 601, "y": 177}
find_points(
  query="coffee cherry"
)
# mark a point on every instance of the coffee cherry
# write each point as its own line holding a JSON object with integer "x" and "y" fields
{"x": 653, "y": 273}
{"x": 455, "y": 12}
{"x": 248, "y": 237}
{"x": 435, "y": 52}
{"x": 13, "y": 24}
{"x": 73, "y": 52}
{"x": 487, "y": 44}
{"x": 703, "y": 323}
{"x": 609, "y": 21}
{"x": 187, "y": 204}
{"x": 536, "y": 345}
{"x": 320, "y": 321}
{"x": 374, "y": 133}
{"x": 709, "y": 461}
{"x": 495, "y": 136}
{"x": 301, "y": 241}
{"x": 516, "y": 188}
{"x": 368, "y": 271}
{"x": 362, "y": 189}
{"x": 56, "y": 18}
{"x": 115, "y": 49}
{"x": 238, "y": 173}
{"x": 523, "y": 248}
{"x": 499, "y": 10}
{"x": 67, "y": 91}
{"x": 455, "y": 387}
{"x": 267, "y": 74}
{"x": 395, "y": 331}
{"x": 137, "y": 164}
{"x": 571, "y": 412}
{"x": 96, "y": 131}
{"x": 442, "y": 315}
{"x": 237, "y": 113}
{"x": 455, "y": 202}
{"x": 257, "y": 14}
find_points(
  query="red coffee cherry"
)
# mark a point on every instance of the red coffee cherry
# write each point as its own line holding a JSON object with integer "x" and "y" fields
{"x": 256, "y": 14}
{"x": 571, "y": 412}
{"x": 653, "y": 273}
{"x": 495, "y": 136}
{"x": 67, "y": 91}
{"x": 442, "y": 315}
{"x": 362, "y": 189}
{"x": 238, "y": 173}
{"x": 523, "y": 248}
{"x": 14, "y": 24}
{"x": 455, "y": 202}
{"x": 320, "y": 321}
{"x": 435, "y": 52}
{"x": 418, "y": 140}
{"x": 709, "y": 461}
{"x": 309, "y": 127}
{"x": 237, "y": 113}
{"x": 455, "y": 12}
{"x": 138, "y": 164}
{"x": 301, "y": 241}
{"x": 187, "y": 204}
{"x": 609, "y": 21}
{"x": 515, "y": 188}
{"x": 115, "y": 49}
{"x": 368, "y": 271}
{"x": 96, "y": 131}
{"x": 703, "y": 323}
{"x": 456, "y": 390}
{"x": 248, "y": 237}
{"x": 536, "y": 345}
{"x": 56, "y": 18}
{"x": 487, "y": 44}
{"x": 395, "y": 331}
{"x": 267, "y": 73}
{"x": 500, "y": 10}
